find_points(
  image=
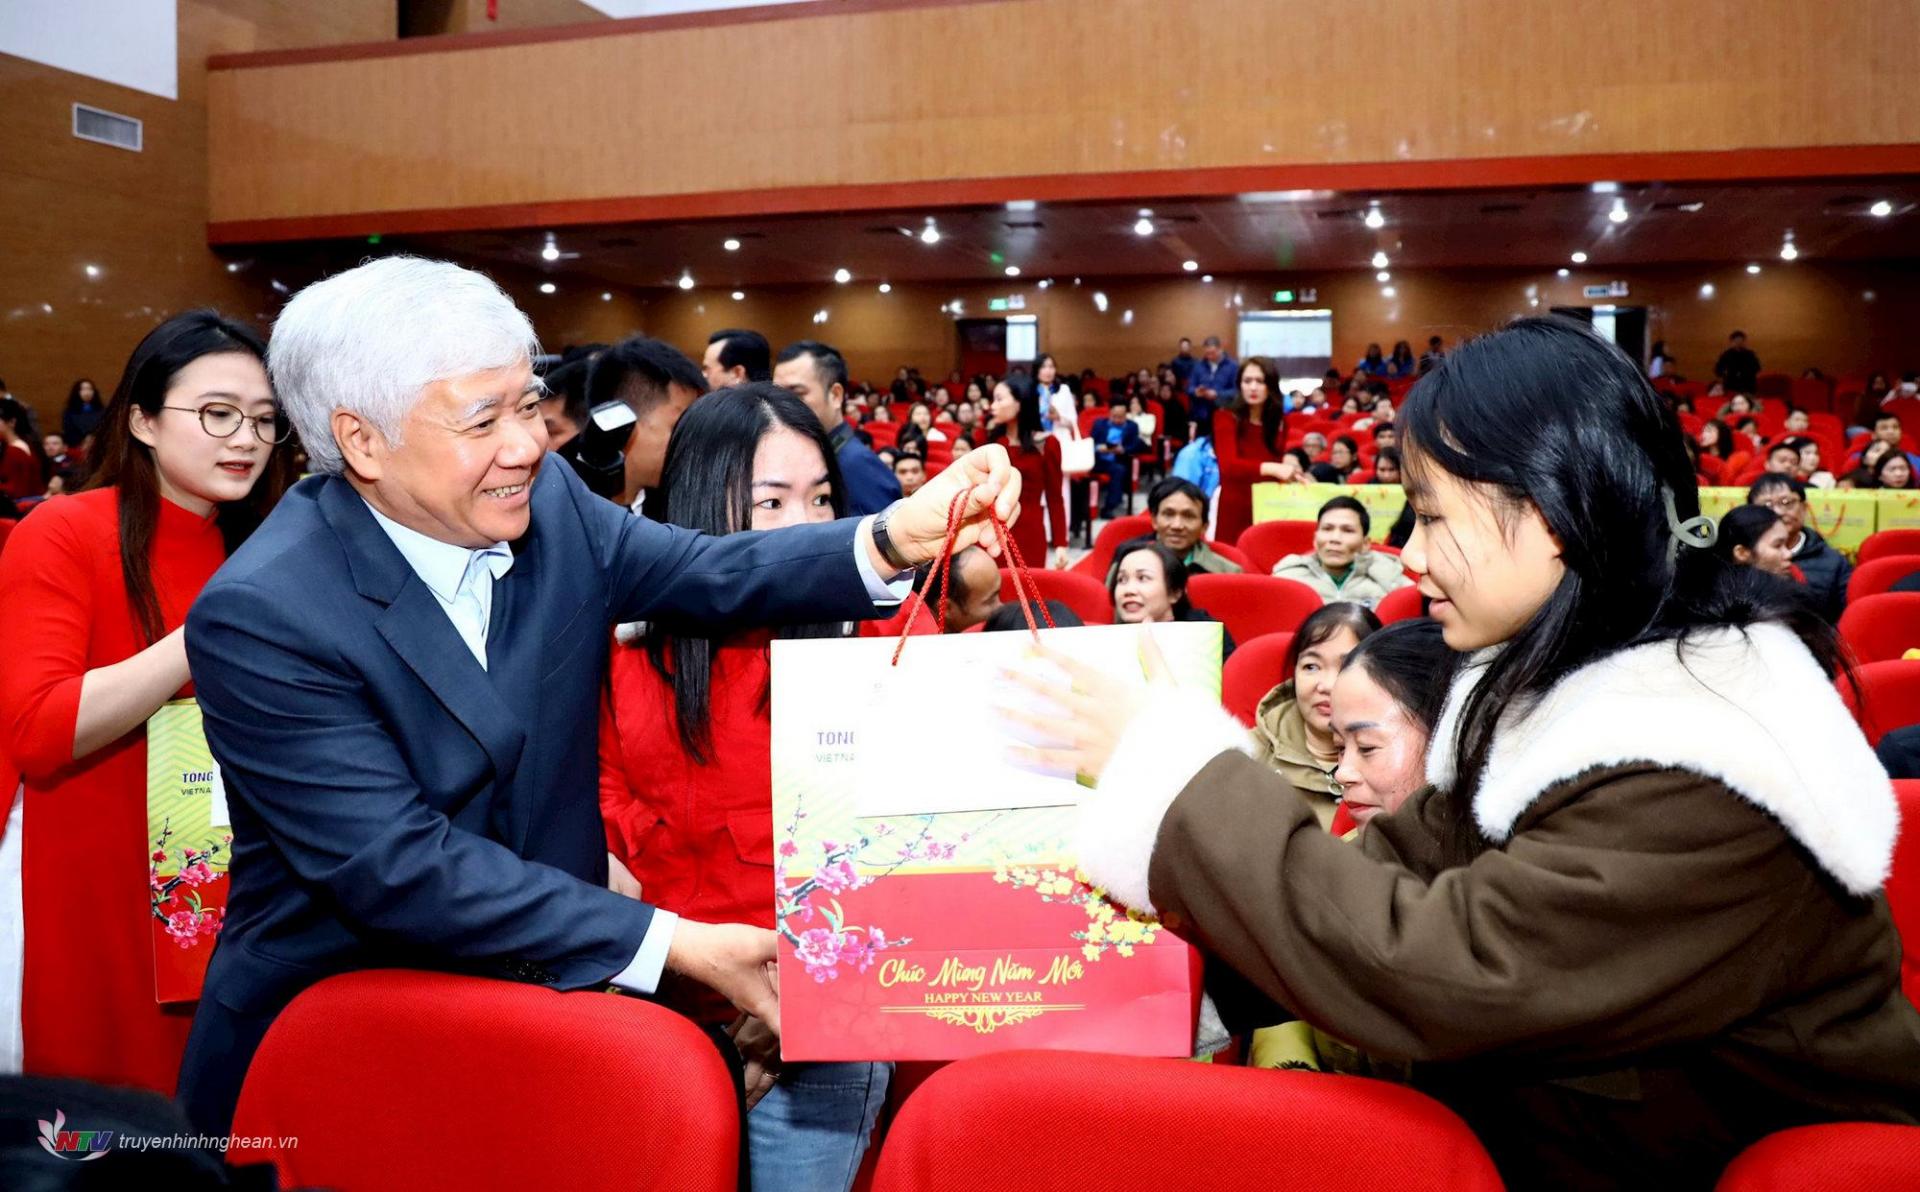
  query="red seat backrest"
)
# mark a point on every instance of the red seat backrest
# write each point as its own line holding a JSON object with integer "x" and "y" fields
{"x": 398, "y": 1079}
{"x": 1232, "y": 554}
{"x": 1266, "y": 543}
{"x": 1881, "y": 628}
{"x": 1903, "y": 891}
{"x": 1889, "y": 698}
{"x": 1111, "y": 535}
{"x": 1854, "y": 1156}
{"x": 1251, "y": 605}
{"x": 1056, "y": 1114}
{"x": 1890, "y": 542}
{"x": 1083, "y": 594}
{"x": 1876, "y": 576}
{"x": 1257, "y": 667}
{"x": 1401, "y": 604}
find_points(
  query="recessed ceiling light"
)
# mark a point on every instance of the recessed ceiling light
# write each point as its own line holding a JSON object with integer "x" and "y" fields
{"x": 1706, "y": 289}
{"x": 686, "y": 281}
{"x": 730, "y": 244}
{"x": 1143, "y": 226}
{"x": 1564, "y": 272}
{"x": 821, "y": 315}
{"x": 1045, "y": 282}
{"x": 547, "y": 287}
{"x": 886, "y": 288}
{"x": 1579, "y": 258}
{"x": 929, "y": 234}
{"x": 550, "y": 252}
{"x": 233, "y": 266}
{"x": 1383, "y": 276}
{"x": 94, "y": 271}
{"x": 1190, "y": 266}
{"x": 1126, "y": 317}
{"x": 1619, "y": 212}
{"x": 1788, "y": 252}
{"x": 606, "y": 296}
{"x": 1374, "y": 218}
{"x": 1146, "y": 213}
{"x": 1881, "y": 209}
{"x": 1206, "y": 277}
{"x": 1387, "y": 291}
{"x": 1013, "y": 271}
{"x": 1379, "y": 260}
{"x": 1605, "y": 188}
{"x": 739, "y": 295}
{"x": 1100, "y": 301}
{"x": 842, "y": 276}
{"x": 1753, "y": 268}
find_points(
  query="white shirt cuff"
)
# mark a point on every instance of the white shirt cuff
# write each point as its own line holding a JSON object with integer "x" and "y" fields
{"x": 643, "y": 975}
{"x": 883, "y": 591}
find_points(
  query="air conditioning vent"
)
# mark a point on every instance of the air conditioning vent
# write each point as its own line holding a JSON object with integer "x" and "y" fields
{"x": 107, "y": 128}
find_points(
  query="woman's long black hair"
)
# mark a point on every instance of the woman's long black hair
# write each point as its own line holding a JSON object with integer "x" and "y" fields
{"x": 1546, "y": 413}
{"x": 706, "y": 484}
{"x": 1411, "y": 662}
{"x": 123, "y": 462}
{"x": 1028, "y": 431}
{"x": 1273, "y": 411}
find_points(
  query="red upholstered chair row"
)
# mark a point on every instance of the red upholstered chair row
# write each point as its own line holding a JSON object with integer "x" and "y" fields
{"x": 1889, "y": 697}
{"x": 1890, "y": 542}
{"x": 1835, "y": 1157}
{"x": 1266, "y": 543}
{"x": 1875, "y": 576}
{"x": 1120, "y": 1123}
{"x": 1257, "y": 667}
{"x": 1086, "y": 596}
{"x": 1903, "y": 891}
{"x": 1881, "y": 628}
{"x": 1401, "y": 604}
{"x": 1252, "y": 605}
{"x": 401, "y": 1079}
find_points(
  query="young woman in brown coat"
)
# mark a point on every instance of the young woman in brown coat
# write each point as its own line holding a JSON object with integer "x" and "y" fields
{"x": 1635, "y": 923}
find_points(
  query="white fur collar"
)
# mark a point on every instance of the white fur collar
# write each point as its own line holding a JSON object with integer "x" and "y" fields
{"x": 1751, "y": 711}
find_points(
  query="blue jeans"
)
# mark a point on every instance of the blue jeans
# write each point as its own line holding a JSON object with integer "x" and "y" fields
{"x": 809, "y": 1132}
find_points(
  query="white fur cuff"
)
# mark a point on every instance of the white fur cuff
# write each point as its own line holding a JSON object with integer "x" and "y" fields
{"x": 1172, "y": 739}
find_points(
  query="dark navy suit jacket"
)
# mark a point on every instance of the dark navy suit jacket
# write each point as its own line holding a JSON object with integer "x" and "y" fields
{"x": 395, "y": 804}
{"x": 871, "y": 485}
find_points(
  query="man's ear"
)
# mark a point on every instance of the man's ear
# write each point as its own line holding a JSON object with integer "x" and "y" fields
{"x": 363, "y": 448}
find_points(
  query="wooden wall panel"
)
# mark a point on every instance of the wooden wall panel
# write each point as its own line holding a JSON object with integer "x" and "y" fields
{"x": 908, "y": 94}
{"x": 1843, "y": 318}
{"x": 139, "y": 218}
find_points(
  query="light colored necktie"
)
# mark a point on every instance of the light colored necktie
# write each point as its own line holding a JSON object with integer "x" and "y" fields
{"x": 473, "y": 601}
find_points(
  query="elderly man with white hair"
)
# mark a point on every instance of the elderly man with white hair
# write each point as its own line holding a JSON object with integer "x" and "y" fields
{"x": 400, "y": 671}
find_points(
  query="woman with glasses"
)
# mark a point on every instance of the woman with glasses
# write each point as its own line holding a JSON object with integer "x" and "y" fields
{"x": 1293, "y": 726}
{"x": 189, "y": 461}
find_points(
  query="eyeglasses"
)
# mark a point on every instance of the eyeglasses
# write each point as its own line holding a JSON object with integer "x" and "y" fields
{"x": 1784, "y": 503}
{"x": 222, "y": 421}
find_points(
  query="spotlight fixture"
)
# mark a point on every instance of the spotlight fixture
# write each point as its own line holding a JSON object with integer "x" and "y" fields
{"x": 1706, "y": 289}
{"x": 1383, "y": 276}
{"x": 1619, "y": 212}
{"x": 686, "y": 281}
{"x": 94, "y": 271}
{"x": 551, "y": 252}
{"x": 739, "y": 295}
{"x": 1045, "y": 282}
{"x": 1013, "y": 271}
{"x": 1753, "y": 268}
{"x": 1387, "y": 291}
{"x": 886, "y": 288}
{"x": 1380, "y": 260}
{"x": 606, "y": 295}
{"x": 1206, "y": 277}
{"x": 547, "y": 287}
{"x": 1579, "y": 258}
{"x": 842, "y": 276}
{"x": 233, "y": 266}
{"x": 1787, "y": 250}
{"x": 1881, "y": 209}
{"x": 1563, "y": 271}
{"x": 930, "y": 234}
{"x": 1100, "y": 301}
{"x": 1190, "y": 266}
{"x": 1143, "y": 226}
{"x": 730, "y": 244}
{"x": 1374, "y": 218}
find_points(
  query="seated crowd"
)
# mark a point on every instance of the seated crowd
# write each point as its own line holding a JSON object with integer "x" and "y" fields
{"x": 1516, "y": 950}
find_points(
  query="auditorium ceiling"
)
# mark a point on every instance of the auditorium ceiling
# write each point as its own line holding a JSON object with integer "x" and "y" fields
{"x": 1263, "y": 233}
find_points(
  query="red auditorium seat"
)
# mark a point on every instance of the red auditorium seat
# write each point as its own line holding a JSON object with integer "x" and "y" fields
{"x": 1081, "y": 593}
{"x": 1111, "y": 535}
{"x": 1252, "y": 605}
{"x": 1834, "y": 1157}
{"x": 1889, "y": 697}
{"x": 1257, "y": 667}
{"x": 1883, "y": 627}
{"x": 1878, "y": 575}
{"x": 1890, "y": 542}
{"x": 400, "y": 1079}
{"x": 1401, "y": 604}
{"x": 1266, "y": 543}
{"x": 1121, "y": 1124}
{"x": 1903, "y": 888}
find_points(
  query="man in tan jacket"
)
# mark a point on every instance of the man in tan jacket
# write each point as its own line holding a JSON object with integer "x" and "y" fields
{"x": 1343, "y": 565}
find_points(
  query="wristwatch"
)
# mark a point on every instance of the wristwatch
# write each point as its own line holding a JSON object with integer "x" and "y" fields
{"x": 884, "y": 544}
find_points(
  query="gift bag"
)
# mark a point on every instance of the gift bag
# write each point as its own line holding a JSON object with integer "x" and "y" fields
{"x": 1844, "y": 517}
{"x": 1076, "y": 455}
{"x": 926, "y": 902}
{"x": 188, "y": 845}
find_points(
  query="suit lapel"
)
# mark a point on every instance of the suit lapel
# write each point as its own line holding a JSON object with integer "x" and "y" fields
{"x": 418, "y": 630}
